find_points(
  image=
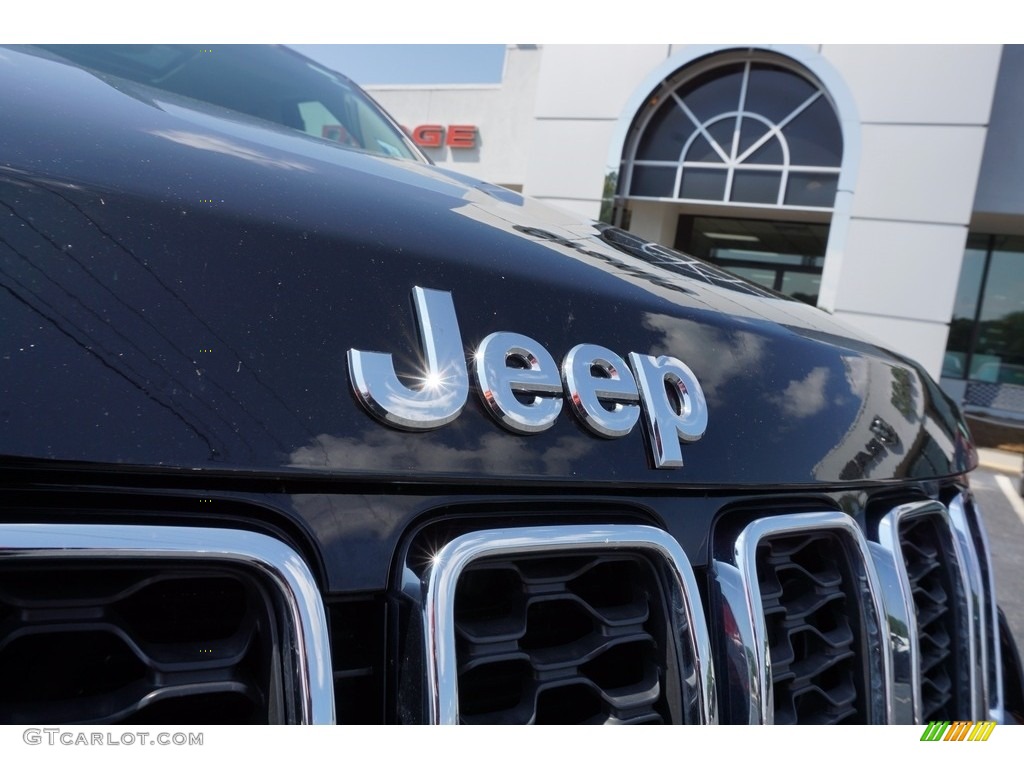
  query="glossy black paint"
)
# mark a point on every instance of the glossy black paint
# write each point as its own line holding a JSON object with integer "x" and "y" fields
{"x": 179, "y": 287}
{"x": 353, "y": 538}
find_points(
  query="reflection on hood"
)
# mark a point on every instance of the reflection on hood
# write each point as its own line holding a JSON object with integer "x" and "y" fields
{"x": 495, "y": 453}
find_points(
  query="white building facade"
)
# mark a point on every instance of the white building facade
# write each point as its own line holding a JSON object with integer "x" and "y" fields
{"x": 881, "y": 183}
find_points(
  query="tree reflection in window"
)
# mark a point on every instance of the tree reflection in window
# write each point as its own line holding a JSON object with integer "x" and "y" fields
{"x": 986, "y": 334}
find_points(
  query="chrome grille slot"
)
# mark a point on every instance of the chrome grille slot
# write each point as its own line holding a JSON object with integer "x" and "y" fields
{"x": 932, "y": 564}
{"x": 183, "y": 641}
{"x": 161, "y": 625}
{"x": 801, "y": 622}
{"x": 561, "y": 624}
{"x": 964, "y": 514}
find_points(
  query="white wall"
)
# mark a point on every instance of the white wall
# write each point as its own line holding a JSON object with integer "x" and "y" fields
{"x": 581, "y": 91}
{"x": 502, "y": 113}
{"x": 924, "y": 112}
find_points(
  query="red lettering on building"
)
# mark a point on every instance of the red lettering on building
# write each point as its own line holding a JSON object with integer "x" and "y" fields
{"x": 428, "y": 135}
{"x": 433, "y": 136}
{"x": 461, "y": 136}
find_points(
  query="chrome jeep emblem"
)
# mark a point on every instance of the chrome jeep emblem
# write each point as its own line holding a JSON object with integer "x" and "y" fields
{"x": 523, "y": 388}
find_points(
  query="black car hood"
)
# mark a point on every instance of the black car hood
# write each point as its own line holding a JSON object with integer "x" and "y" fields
{"x": 179, "y": 288}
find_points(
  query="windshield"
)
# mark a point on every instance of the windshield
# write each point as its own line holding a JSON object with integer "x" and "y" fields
{"x": 269, "y": 82}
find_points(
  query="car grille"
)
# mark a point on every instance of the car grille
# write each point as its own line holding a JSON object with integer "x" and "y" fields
{"x": 561, "y": 639}
{"x": 967, "y": 524}
{"x": 562, "y": 624}
{"x": 813, "y": 628}
{"x": 121, "y": 624}
{"x": 801, "y": 622}
{"x": 938, "y": 628}
{"x": 945, "y": 633}
{"x": 136, "y": 645}
{"x": 815, "y": 616}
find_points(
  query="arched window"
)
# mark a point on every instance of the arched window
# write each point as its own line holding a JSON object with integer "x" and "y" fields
{"x": 749, "y": 130}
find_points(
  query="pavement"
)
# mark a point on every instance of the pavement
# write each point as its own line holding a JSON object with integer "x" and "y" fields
{"x": 1006, "y": 462}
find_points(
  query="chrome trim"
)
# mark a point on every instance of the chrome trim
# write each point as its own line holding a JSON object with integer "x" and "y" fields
{"x": 742, "y": 594}
{"x": 589, "y": 396}
{"x": 902, "y": 623}
{"x": 739, "y": 662}
{"x": 438, "y": 583}
{"x": 889, "y": 540}
{"x": 441, "y": 392}
{"x": 280, "y": 565}
{"x": 499, "y": 384}
{"x": 683, "y": 416}
{"x": 969, "y": 589}
{"x": 990, "y": 639}
{"x": 971, "y": 570}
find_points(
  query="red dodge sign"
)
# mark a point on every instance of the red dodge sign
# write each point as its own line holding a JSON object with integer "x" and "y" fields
{"x": 433, "y": 136}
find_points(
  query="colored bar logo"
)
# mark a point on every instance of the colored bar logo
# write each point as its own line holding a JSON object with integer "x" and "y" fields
{"x": 958, "y": 730}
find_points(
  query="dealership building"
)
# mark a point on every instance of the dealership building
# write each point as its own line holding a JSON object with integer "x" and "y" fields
{"x": 881, "y": 183}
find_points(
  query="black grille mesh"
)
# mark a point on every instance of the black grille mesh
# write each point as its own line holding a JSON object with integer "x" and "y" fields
{"x": 812, "y": 622}
{"x": 135, "y": 644}
{"x": 357, "y": 652}
{"x": 561, "y": 639}
{"x": 934, "y": 605}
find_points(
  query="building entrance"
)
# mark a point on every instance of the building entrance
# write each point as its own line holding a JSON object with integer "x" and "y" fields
{"x": 786, "y": 256}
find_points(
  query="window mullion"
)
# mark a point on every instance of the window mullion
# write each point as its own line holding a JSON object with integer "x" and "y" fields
{"x": 730, "y": 174}
{"x": 700, "y": 127}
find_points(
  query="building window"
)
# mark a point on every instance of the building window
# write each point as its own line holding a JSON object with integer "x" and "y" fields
{"x": 786, "y": 256}
{"x": 986, "y": 334}
{"x": 751, "y": 132}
